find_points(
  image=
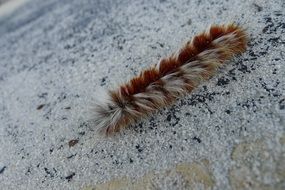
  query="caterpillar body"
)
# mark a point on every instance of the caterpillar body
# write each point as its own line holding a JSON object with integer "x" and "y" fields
{"x": 169, "y": 79}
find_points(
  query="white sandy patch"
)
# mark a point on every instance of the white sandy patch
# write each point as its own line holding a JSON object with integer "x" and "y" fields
{"x": 9, "y": 6}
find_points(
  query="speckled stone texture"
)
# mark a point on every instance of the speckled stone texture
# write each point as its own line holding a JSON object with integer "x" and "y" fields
{"x": 56, "y": 55}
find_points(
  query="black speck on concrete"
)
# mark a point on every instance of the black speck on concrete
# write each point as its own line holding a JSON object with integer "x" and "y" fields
{"x": 197, "y": 139}
{"x": 69, "y": 177}
{"x": 282, "y": 104}
{"x": 2, "y": 169}
{"x": 223, "y": 81}
{"x": 139, "y": 148}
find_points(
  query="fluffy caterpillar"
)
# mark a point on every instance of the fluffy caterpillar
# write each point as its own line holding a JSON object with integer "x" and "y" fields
{"x": 171, "y": 78}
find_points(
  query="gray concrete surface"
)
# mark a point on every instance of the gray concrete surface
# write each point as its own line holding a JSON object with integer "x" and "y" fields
{"x": 55, "y": 55}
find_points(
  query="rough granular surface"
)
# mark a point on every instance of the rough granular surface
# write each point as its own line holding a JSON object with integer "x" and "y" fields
{"x": 57, "y": 55}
